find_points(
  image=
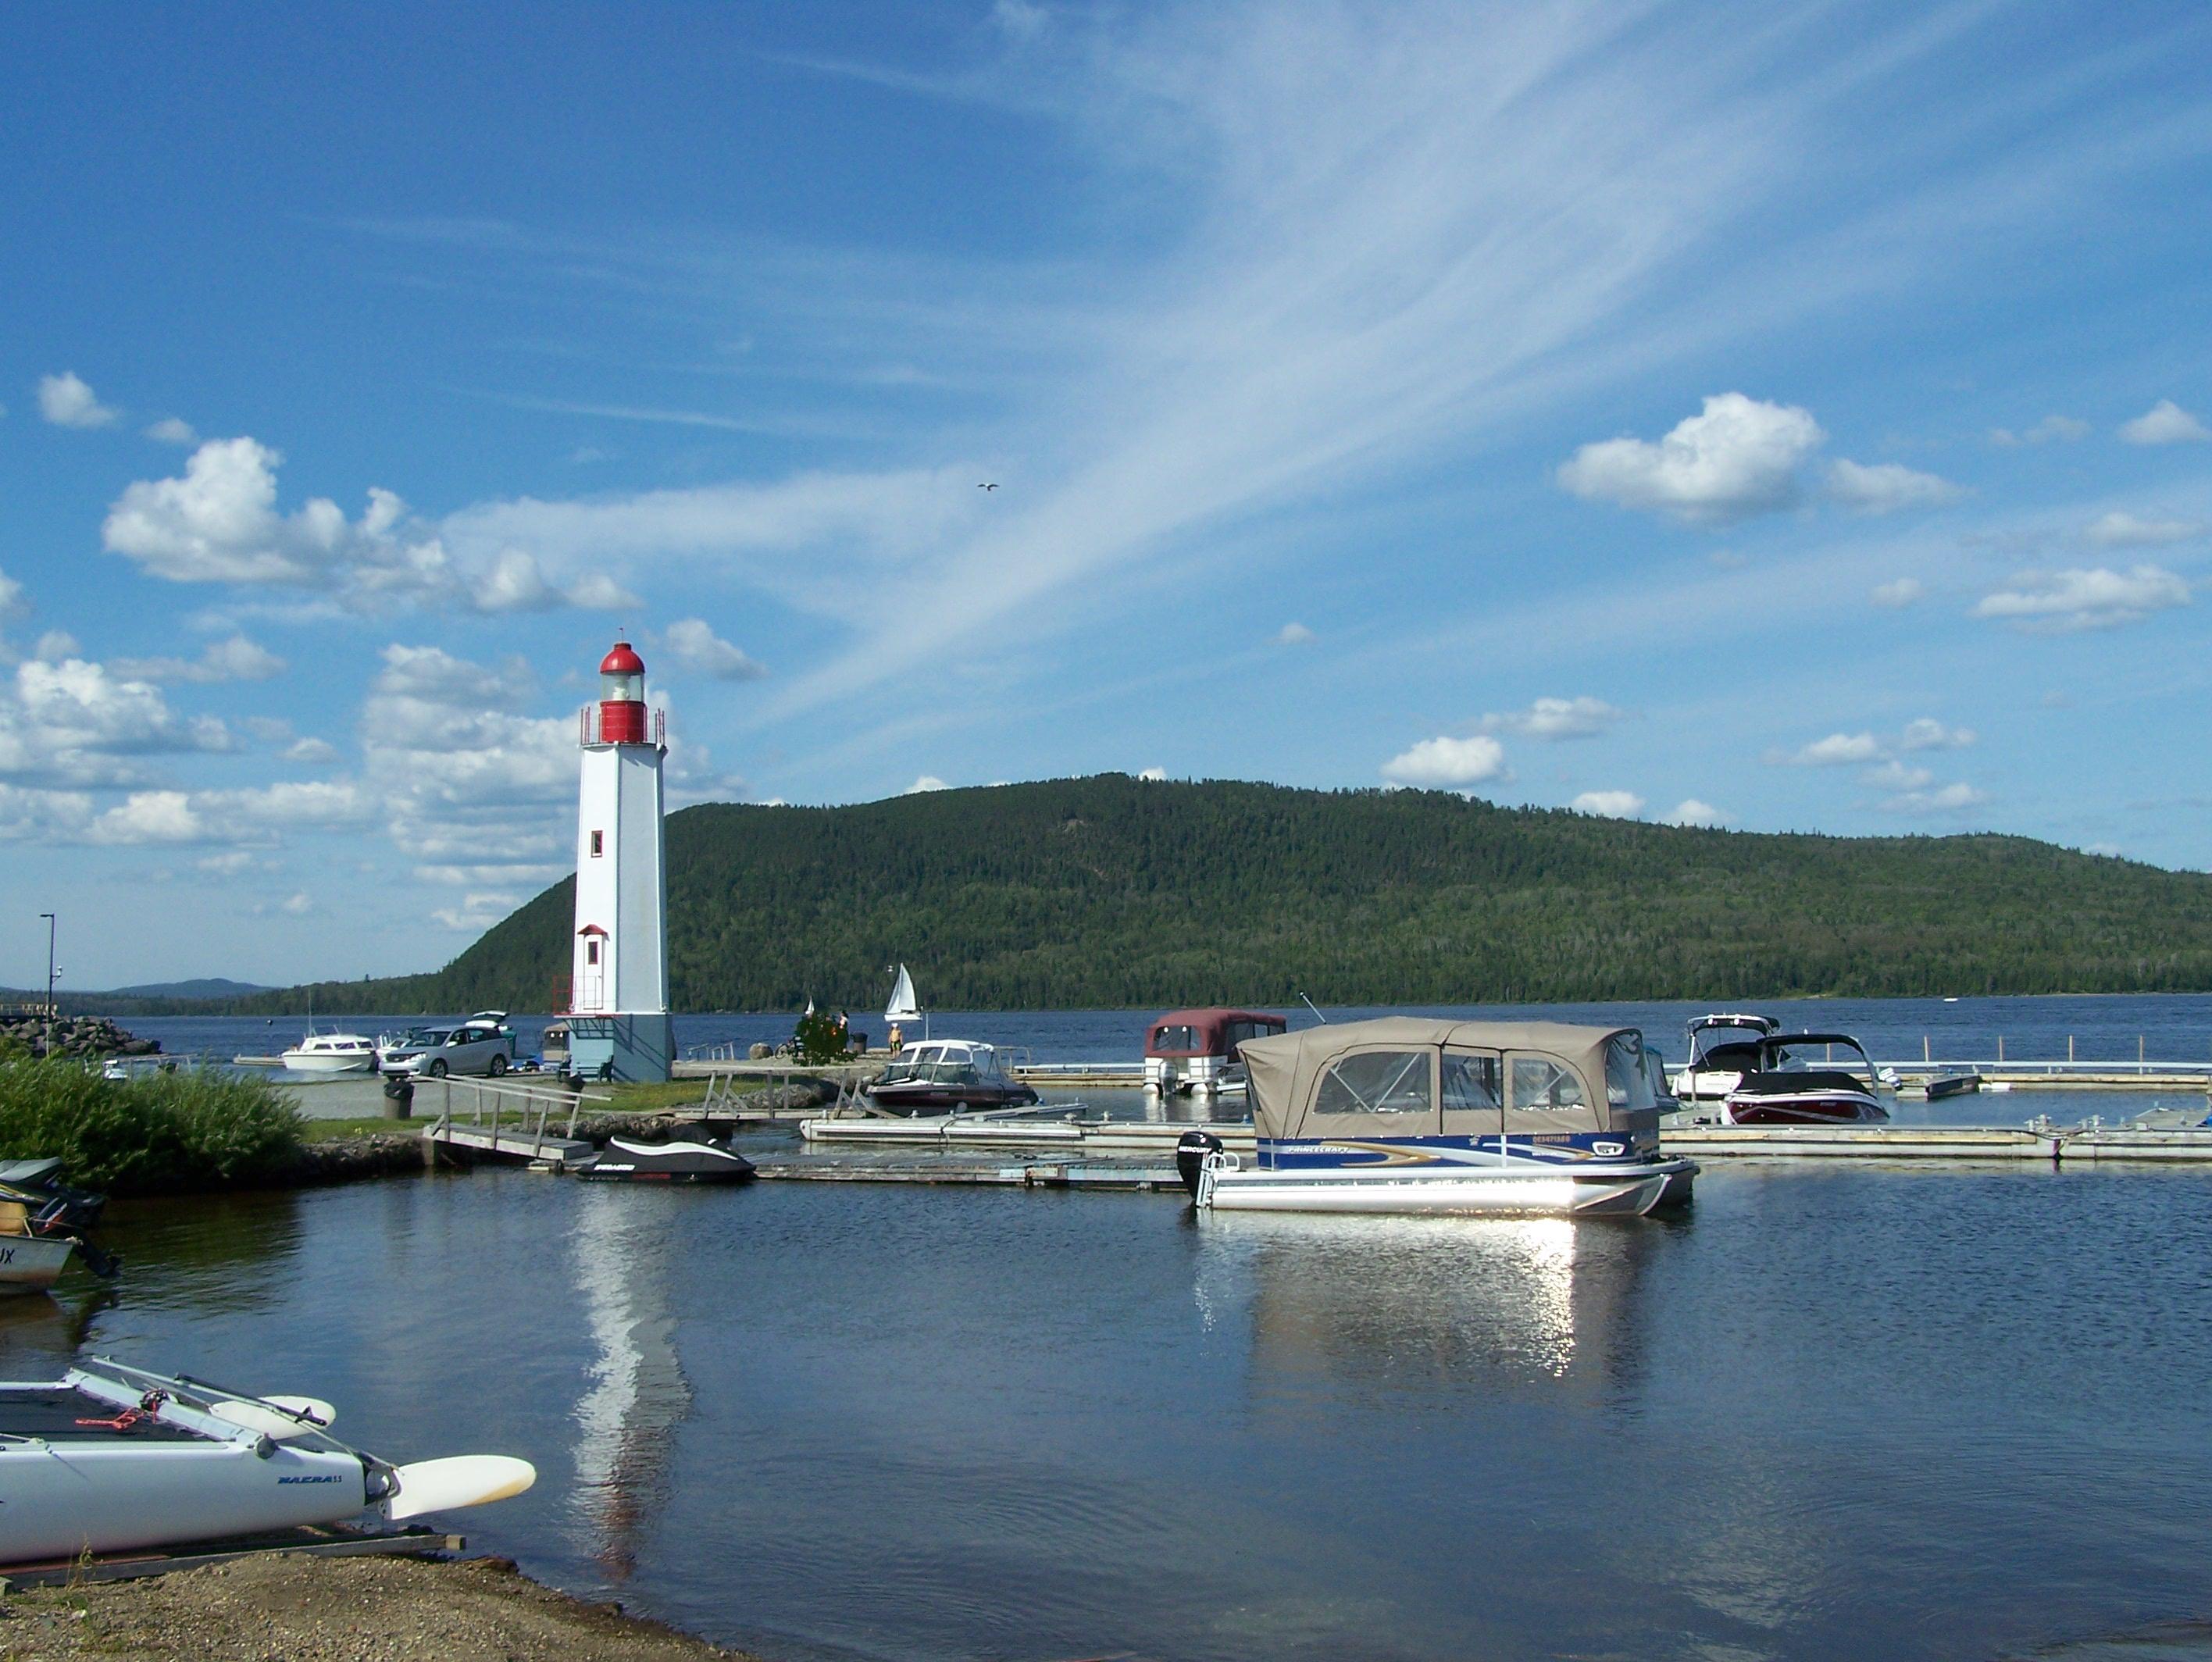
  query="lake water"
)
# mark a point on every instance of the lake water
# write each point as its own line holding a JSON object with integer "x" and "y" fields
{"x": 1829, "y": 1412}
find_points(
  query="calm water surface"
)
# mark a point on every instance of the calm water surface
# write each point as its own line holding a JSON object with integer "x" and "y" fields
{"x": 1829, "y": 1413}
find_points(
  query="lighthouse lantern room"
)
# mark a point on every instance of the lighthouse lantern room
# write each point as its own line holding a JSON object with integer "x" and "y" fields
{"x": 618, "y": 1021}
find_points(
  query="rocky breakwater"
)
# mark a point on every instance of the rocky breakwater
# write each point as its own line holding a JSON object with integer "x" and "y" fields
{"x": 74, "y": 1036}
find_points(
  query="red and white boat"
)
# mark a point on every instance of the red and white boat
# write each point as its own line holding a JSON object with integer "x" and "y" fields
{"x": 1743, "y": 1071}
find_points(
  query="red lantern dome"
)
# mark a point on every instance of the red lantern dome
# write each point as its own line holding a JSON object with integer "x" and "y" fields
{"x": 622, "y": 696}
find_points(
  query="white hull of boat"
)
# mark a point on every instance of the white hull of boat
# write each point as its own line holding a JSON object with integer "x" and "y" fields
{"x": 1456, "y": 1189}
{"x": 32, "y": 1264}
{"x": 62, "y": 1501}
{"x": 326, "y": 1065}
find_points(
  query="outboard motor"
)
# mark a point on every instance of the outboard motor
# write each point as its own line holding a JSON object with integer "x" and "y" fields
{"x": 1191, "y": 1149}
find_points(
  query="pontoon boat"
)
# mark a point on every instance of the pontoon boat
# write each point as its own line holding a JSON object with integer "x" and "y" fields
{"x": 1404, "y": 1114}
{"x": 1196, "y": 1050}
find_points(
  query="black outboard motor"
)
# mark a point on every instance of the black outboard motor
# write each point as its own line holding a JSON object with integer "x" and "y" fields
{"x": 1191, "y": 1149}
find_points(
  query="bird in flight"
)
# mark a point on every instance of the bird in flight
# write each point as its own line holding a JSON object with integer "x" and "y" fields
{"x": 987, "y": 488}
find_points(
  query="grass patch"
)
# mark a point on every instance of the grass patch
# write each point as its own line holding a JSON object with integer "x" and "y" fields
{"x": 151, "y": 1134}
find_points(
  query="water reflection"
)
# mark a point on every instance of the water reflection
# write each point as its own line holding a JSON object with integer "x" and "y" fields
{"x": 626, "y": 1421}
{"x": 1404, "y": 1304}
{"x": 216, "y": 1252}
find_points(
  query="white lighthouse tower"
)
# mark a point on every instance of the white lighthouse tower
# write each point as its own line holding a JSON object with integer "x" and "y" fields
{"x": 618, "y": 1024}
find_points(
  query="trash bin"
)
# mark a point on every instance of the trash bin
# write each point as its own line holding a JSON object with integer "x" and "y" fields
{"x": 398, "y": 1097}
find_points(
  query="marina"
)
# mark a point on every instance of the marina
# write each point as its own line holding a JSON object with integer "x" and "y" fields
{"x": 726, "y": 1415}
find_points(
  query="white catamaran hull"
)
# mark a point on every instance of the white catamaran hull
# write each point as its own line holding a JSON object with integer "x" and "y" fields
{"x": 32, "y": 1264}
{"x": 63, "y": 1500}
{"x": 1456, "y": 1189}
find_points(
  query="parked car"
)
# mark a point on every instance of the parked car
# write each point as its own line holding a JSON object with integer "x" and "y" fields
{"x": 482, "y": 1044}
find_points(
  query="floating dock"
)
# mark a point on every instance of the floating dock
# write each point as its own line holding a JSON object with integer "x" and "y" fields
{"x": 1153, "y": 1141}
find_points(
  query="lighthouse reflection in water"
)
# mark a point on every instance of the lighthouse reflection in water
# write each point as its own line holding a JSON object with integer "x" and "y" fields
{"x": 636, "y": 1394}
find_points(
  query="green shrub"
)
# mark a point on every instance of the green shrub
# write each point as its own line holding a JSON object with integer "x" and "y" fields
{"x": 152, "y": 1133}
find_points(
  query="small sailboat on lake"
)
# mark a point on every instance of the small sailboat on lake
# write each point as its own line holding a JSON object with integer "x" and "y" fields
{"x": 904, "y": 1006}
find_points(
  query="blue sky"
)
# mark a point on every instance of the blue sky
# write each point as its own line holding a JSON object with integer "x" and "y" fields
{"x": 1780, "y": 420}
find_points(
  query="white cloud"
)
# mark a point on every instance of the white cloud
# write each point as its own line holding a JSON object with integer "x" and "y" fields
{"x": 2122, "y": 529}
{"x": 219, "y": 523}
{"x": 1293, "y": 635}
{"x": 477, "y": 912}
{"x": 1946, "y": 799}
{"x": 2051, "y": 429}
{"x": 234, "y": 659}
{"x": 1691, "y": 811}
{"x": 1609, "y": 804}
{"x": 173, "y": 430}
{"x": 1929, "y": 734}
{"x": 55, "y": 645}
{"x": 298, "y": 904}
{"x": 1556, "y": 719}
{"x": 12, "y": 603}
{"x": 2166, "y": 422}
{"x": 695, "y": 647}
{"x": 70, "y": 722}
{"x": 1447, "y": 763}
{"x": 1837, "y": 750}
{"x": 927, "y": 782}
{"x": 66, "y": 401}
{"x": 1886, "y": 487}
{"x": 310, "y": 752}
{"x": 1738, "y": 457}
{"x": 1153, "y": 773}
{"x": 1898, "y": 595}
{"x": 149, "y": 816}
{"x": 2063, "y": 602}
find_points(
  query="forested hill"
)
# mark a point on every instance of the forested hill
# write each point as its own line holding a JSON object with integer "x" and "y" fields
{"x": 1113, "y": 892}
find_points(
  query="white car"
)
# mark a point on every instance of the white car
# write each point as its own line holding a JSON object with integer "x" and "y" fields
{"x": 482, "y": 1044}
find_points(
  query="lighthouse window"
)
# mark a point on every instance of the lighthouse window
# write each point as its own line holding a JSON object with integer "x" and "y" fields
{"x": 591, "y": 952}
{"x": 598, "y": 844}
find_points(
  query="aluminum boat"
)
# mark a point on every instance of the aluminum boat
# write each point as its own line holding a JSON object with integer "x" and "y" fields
{"x": 112, "y": 1458}
{"x": 1405, "y": 1115}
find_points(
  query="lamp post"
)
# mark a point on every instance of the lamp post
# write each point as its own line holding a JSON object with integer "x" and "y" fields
{"x": 49, "y": 917}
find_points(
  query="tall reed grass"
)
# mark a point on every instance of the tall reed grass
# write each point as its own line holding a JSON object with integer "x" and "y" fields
{"x": 153, "y": 1133}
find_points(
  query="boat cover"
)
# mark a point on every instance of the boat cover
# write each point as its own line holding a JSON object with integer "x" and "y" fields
{"x": 1288, "y": 1071}
{"x": 1216, "y": 1031}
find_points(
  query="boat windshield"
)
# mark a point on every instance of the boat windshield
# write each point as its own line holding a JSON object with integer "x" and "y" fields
{"x": 1824, "y": 1054}
{"x": 1626, "y": 1083}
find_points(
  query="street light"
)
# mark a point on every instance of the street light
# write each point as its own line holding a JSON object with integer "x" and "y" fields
{"x": 49, "y": 917}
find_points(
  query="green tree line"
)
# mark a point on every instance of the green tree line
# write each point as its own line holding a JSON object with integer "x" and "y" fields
{"x": 1112, "y": 892}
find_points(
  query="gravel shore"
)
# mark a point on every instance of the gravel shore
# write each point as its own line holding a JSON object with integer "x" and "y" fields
{"x": 284, "y": 1607}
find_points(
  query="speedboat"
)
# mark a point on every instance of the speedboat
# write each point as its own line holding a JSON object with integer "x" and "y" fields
{"x": 947, "y": 1076}
{"x": 1196, "y": 1050}
{"x": 111, "y": 1458}
{"x": 1793, "y": 1086}
{"x": 1744, "y": 1070}
{"x": 1404, "y": 1114}
{"x": 331, "y": 1054}
{"x": 1722, "y": 1049}
{"x": 625, "y": 1161}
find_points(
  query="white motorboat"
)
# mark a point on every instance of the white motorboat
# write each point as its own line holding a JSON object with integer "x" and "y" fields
{"x": 1723, "y": 1048}
{"x": 42, "y": 1223}
{"x": 1412, "y": 1115}
{"x": 330, "y": 1053}
{"x": 32, "y": 1264}
{"x": 111, "y": 1458}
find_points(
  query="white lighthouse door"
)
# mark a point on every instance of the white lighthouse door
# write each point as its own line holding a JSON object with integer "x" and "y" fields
{"x": 590, "y": 994}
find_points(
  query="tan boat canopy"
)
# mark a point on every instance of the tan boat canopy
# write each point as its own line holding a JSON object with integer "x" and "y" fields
{"x": 1402, "y": 1076}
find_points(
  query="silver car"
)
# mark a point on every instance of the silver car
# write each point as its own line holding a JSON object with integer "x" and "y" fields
{"x": 482, "y": 1044}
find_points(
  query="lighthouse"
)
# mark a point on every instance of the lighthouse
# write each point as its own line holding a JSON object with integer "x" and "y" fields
{"x": 618, "y": 1023}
